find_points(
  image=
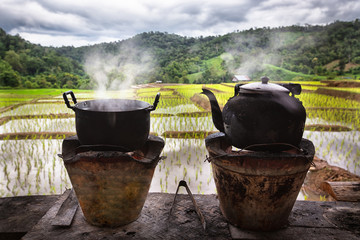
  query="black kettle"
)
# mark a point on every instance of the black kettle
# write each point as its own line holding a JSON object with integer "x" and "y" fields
{"x": 261, "y": 116}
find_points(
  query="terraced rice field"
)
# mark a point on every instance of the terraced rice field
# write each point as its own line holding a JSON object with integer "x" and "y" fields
{"x": 33, "y": 126}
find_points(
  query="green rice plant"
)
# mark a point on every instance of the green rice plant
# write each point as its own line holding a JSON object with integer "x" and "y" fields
{"x": 209, "y": 180}
{"x": 184, "y": 172}
{"x": 342, "y": 144}
{"x": 199, "y": 187}
{"x": 318, "y": 100}
{"x": 53, "y": 190}
{"x": 322, "y": 198}
{"x": 29, "y": 190}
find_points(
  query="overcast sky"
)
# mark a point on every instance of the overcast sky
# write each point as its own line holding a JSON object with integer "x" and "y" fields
{"x": 86, "y": 22}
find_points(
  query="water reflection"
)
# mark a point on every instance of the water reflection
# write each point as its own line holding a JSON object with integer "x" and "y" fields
{"x": 38, "y": 125}
{"x": 37, "y": 109}
{"x": 32, "y": 167}
{"x": 184, "y": 161}
{"x": 340, "y": 149}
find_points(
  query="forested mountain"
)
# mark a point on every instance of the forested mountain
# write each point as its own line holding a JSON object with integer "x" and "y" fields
{"x": 307, "y": 51}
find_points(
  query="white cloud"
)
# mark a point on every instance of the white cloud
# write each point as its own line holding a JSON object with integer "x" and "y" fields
{"x": 66, "y": 40}
{"x": 82, "y": 22}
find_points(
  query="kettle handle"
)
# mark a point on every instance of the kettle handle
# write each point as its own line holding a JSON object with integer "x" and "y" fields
{"x": 237, "y": 88}
{"x": 67, "y": 100}
{"x": 294, "y": 88}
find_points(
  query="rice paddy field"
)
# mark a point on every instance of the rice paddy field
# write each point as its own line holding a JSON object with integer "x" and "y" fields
{"x": 33, "y": 124}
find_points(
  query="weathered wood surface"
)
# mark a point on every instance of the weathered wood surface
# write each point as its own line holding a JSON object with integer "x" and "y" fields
{"x": 18, "y": 215}
{"x": 67, "y": 210}
{"x": 342, "y": 191}
{"x": 308, "y": 220}
{"x": 313, "y": 221}
{"x": 155, "y": 222}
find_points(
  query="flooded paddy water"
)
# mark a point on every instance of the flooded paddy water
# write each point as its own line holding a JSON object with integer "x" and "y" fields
{"x": 31, "y": 167}
{"x": 38, "y": 125}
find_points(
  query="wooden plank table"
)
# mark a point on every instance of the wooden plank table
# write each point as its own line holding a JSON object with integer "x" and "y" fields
{"x": 155, "y": 222}
{"x": 308, "y": 220}
{"x": 18, "y": 215}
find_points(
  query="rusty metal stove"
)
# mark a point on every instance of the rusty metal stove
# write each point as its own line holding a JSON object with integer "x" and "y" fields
{"x": 111, "y": 185}
{"x": 257, "y": 190}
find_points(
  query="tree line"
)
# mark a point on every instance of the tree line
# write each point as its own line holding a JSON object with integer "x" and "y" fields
{"x": 311, "y": 50}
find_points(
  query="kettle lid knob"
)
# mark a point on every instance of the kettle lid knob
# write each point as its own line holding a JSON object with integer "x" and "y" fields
{"x": 264, "y": 80}
{"x": 262, "y": 87}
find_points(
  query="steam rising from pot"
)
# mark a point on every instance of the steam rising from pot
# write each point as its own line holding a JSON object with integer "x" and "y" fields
{"x": 118, "y": 68}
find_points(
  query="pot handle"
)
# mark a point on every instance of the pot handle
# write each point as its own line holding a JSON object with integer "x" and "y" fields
{"x": 67, "y": 100}
{"x": 153, "y": 107}
{"x": 237, "y": 89}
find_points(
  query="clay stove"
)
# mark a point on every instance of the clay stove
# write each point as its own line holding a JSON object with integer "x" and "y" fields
{"x": 111, "y": 185}
{"x": 257, "y": 190}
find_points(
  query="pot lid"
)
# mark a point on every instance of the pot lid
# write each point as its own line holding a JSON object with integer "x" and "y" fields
{"x": 263, "y": 86}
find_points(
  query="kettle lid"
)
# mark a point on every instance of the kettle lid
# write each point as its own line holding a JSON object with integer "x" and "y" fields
{"x": 263, "y": 86}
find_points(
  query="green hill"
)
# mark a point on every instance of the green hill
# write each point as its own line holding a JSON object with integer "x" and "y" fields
{"x": 281, "y": 74}
{"x": 283, "y": 53}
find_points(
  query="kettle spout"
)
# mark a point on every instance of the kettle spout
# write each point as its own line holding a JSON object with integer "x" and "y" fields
{"x": 215, "y": 110}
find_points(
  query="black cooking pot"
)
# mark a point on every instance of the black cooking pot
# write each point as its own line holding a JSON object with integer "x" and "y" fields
{"x": 261, "y": 116}
{"x": 117, "y": 122}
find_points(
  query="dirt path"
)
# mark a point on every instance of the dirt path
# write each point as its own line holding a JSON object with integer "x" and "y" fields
{"x": 338, "y": 93}
{"x": 343, "y": 84}
{"x": 329, "y": 128}
{"x": 35, "y": 135}
{"x": 201, "y": 102}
